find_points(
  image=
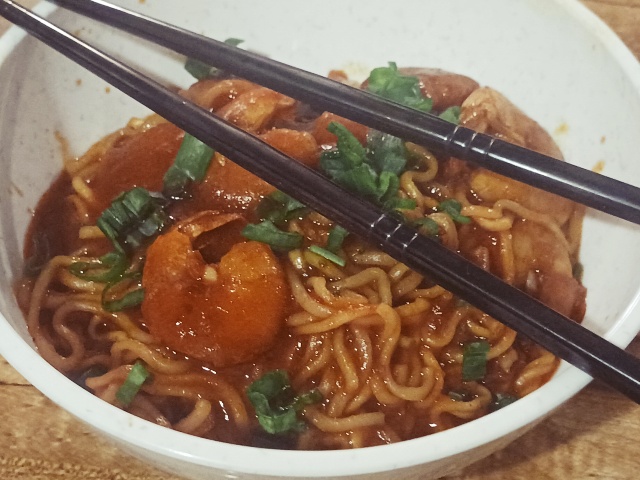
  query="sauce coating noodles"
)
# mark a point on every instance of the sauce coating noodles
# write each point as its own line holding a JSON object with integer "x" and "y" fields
{"x": 384, "y": 346}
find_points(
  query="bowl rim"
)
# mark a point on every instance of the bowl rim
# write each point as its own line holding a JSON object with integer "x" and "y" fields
{"x": 337, "y": 463}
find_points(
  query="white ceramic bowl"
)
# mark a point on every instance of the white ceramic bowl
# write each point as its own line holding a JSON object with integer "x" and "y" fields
{"x": 553, "y": 58}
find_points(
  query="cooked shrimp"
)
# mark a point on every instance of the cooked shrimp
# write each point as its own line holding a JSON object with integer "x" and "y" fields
{"x": 543, "y": 267}
{"x": 487, "y": 111}
{"x": 298, "y": 145}
{"x": 225, "y": 313}
{"x": 446, "y": 89}
{"x": 231, "y": 188}
{"x": 213, "y": 94}
{"x": 253, "y": 110}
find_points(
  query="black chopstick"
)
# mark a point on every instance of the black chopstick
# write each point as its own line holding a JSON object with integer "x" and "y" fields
{"x": 561, "y": 336}
{"x": 579, "y": 184}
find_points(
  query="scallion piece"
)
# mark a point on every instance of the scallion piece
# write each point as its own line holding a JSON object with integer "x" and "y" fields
{"x": 501, "y": 400}
{"x": 324, "y": 253}
{"x": 128, "y": 300}
{"x": 336, "y": 238}
{"x": 451, "y": 114}
{"x": 132, "y": 384}
{"x": 387, "y": 153}
{"x": 190, "y": 165}
{"x": 132, "y": 217}
{"x": 474, "y": 360}
{"x": 267, "y": 232}
{"x": 427, "y": 226}
{"x": 200, "y": 70}
{"x": 389, "y": 83}
{"x": 109, "y": 268}
{"x": 398, "y": 203}
{"x": 370, "y": 172}
{"x": 453, "y": 208}
{"x": 276, "y": 405}
{"x": 278, "y": 207}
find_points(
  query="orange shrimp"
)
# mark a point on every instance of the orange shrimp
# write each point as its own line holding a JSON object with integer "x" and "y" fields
{"x": 487, "y": 111}
{"x": 543, "y": 268}
{"x": 224, "y": 313}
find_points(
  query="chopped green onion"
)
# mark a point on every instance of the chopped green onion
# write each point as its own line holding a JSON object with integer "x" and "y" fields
{"x": 398, "y": 203}
{"x": 453, "y": 208}
{"x": 190, "y": 165}
{"x": 276, "y": 405}
{"x": 132, "y": 217}
{"x": 474, "y": 360}
{"x": 350, "y": 148}
{"x": 267, "y": 232}
{"x": 132, "y": 384}
{"x": 200, "y": 70}
{"x": 324, "y": 253}
{"x": 389, "y": 83}
{"x": 387, "y": 153}
{"x": 427, "y": 226}
{"x": 111, "y": 267}
{"x": 501, "y": 400}
{"x": 128, "y": 300}
{"x": 278, "y": 207}
{"x": 370, "y": 172}
{"x": 451, "y": 114}
{"x": 336, "y": 238}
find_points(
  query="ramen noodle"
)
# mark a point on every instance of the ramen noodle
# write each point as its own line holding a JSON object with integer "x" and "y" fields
{"x": 232, "y": 312}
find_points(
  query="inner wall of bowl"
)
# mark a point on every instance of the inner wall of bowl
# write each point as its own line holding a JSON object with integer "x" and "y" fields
{"x": 565, "y": 79}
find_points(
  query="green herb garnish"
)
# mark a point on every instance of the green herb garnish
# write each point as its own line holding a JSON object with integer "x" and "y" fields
{"x": 386, "y": 152}
{"x": 109, "y": 268}
{"x": 132, "y": 384}
{"x": 128, "y": 300}
{"x": 474, "y": 360}
{"x": 328, "y": 255}
{"x": 501, "y": 400}
{"x": 279, "y": 208}
{"x": 427, "y": 226}
{"x": 276, "y": 405}
{"x": 190, "y": 165}
{"x": 200, "y": 70}
{"x": 371, "y": 172}
{"x": 336, "y": 238}
{"x": 133, "y": 217}
{"x": 451, "y": 114}
{"x": 453, "y": 208}
{"x": 389, "y": 83}
{"x": 267, "y": 232}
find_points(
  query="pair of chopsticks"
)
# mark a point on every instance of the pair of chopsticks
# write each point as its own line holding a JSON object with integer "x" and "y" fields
{"x": 558, "y": 334}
